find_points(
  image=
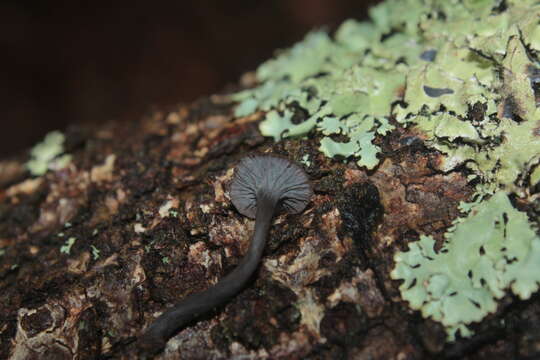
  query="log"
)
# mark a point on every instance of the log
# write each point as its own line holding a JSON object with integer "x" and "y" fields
{"x": 104, "y": 228}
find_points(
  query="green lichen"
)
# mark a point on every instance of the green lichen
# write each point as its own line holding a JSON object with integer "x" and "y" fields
{"x": 95, "y": 252}
{"x": 463, "y": 74}
{"x": 46, "y": 155}
{"x": 535, "y": 176}
{"x": 506, "y": 130}
{"x": 324, "y": 77}
{"x": 460, "y": 283}
{"x": 66, "y": 248}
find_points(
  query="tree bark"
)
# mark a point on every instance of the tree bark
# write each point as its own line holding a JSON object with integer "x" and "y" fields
{"x": 147, "y": 206}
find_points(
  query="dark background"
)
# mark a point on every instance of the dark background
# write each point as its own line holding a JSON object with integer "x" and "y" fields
{"x": 61, "y": 64}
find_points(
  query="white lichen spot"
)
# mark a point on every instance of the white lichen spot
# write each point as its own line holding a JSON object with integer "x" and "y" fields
{"x": 312, "y": 312}
{"x": 139, "y": 228}
{"x": 165, "y": 209}
{"x": 305, "y": 160}
{"x": 369, "y": 297}
{"x": 199, "y": 254}
{"x": 206, "y": 208}
{"x": 346, "y": 292}
{"x": 296, "y": 274}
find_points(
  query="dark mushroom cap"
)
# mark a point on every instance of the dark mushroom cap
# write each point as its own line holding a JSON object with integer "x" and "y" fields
{"x": 272, "y": 176}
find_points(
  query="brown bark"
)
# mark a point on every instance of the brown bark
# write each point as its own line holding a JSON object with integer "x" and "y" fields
{"x": 152, "y": 197}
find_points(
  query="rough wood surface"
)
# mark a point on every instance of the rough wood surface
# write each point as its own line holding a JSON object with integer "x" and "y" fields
{"x": 152, "y": 198}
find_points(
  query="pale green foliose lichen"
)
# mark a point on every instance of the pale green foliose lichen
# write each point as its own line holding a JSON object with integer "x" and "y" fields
{"x": 66, "y": 248}
{"x": 462, "y": 74}
{"x": 493, "y": 249}
{"x": 535, "y": 176}
{"x": 47, "y": 155}
{"x": 95, "y": 252}
{"x": 325, "y": 78}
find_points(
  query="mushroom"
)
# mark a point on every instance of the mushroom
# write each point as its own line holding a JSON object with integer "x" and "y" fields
{"x": 262, "y": 185}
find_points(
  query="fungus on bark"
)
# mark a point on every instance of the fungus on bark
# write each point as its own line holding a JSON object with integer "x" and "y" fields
{"x": 262, "y": 185}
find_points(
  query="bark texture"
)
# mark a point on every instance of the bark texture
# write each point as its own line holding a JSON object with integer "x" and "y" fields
{"x": 147, "y": 204}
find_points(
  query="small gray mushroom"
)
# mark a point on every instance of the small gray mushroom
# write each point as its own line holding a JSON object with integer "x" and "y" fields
{"x": 262, "y": 185}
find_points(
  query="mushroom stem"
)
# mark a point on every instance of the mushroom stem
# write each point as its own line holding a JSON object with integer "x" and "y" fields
{"x": 168, "y": 323}
{"x": 261, "y": 182}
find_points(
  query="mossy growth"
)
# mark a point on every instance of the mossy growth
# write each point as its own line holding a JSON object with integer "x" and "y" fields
{"x": 465, "y": 74}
